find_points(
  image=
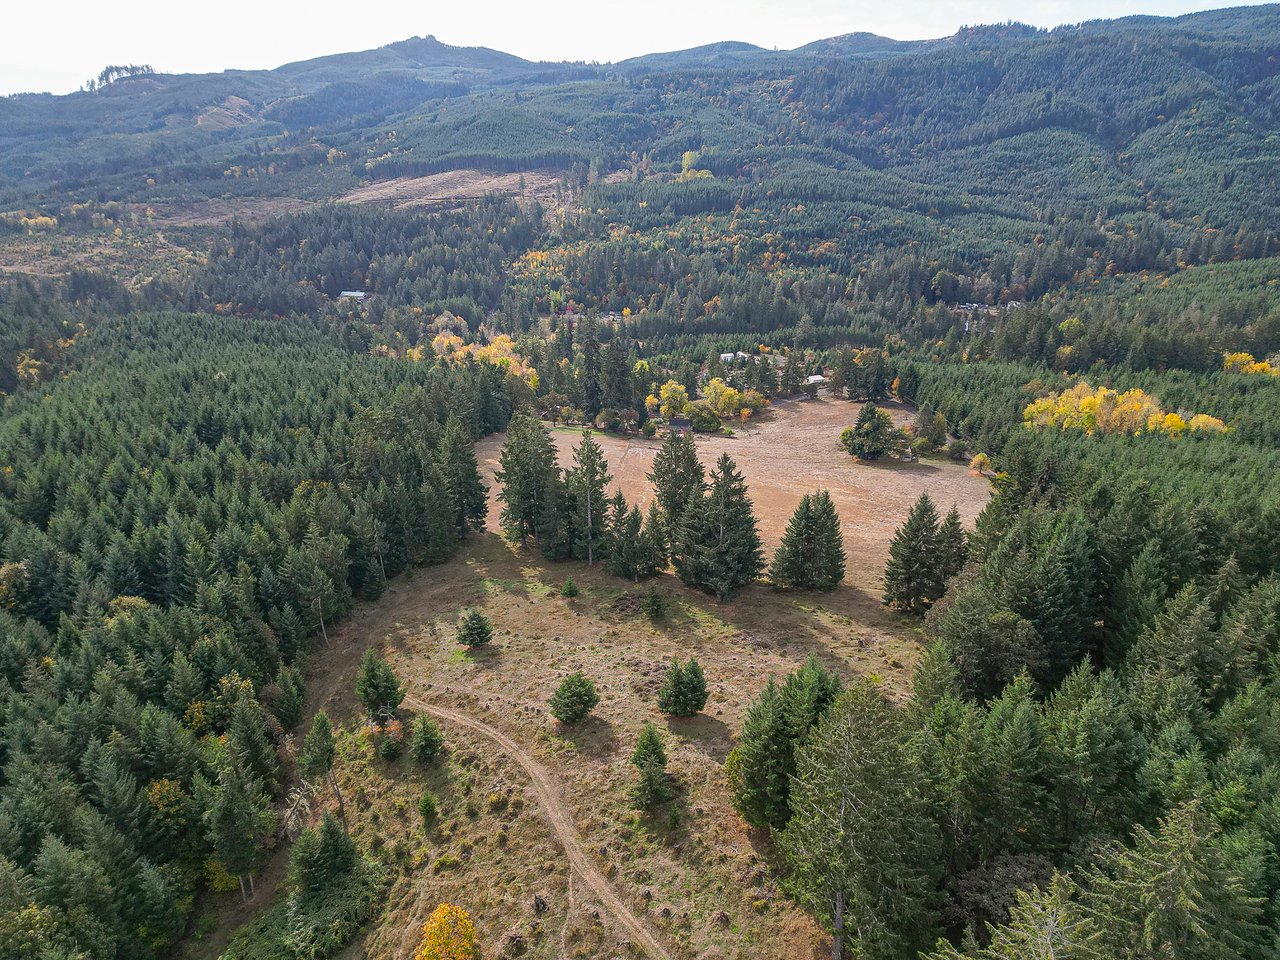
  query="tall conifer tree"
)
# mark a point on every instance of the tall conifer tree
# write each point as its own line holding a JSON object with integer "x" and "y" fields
{"x": 587, "y": 481}
{"x": 718, "y": 549}
{"x": 526, "y": 470}
{"x": 678, "y": 479}
{"x": 913, "y": 576}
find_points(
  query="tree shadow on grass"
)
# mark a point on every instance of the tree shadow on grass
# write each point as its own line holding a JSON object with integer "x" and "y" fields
{"x": 486, "y": 656}
{"x": 713, "y": 737}
{"x": 595, "y": 737}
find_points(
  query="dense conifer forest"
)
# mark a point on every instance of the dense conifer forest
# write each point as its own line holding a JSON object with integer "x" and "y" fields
{"x": 1055, "y": 250}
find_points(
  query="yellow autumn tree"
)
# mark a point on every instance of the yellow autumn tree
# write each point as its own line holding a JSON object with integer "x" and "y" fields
{"x": 1245, "y": 363}
{"x": 1206, "y": 424}
{"x": 672, "y": 399}
{"x": 448, "y": 934}
{"x": 1106, "y": 411}
{"x": 724, "y": 399}
{"x": 446, "y": 343}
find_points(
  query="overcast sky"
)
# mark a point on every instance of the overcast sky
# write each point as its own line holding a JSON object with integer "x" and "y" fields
{"x": 56, "y": 45}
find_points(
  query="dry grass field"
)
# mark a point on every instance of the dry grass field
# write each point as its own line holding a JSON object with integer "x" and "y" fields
{"x": 455, "y": 185}
{"x": 794, "y": 449}
{"x": 697, "y": 879}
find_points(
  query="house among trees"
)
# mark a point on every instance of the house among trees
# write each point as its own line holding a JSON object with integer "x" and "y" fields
{"x": 357, "y": 295}
{"x": 679, "y": 426}
{"x": 816, "y": 380}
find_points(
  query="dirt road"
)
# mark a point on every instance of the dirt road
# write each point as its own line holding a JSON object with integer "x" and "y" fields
{"x": 557, "y": 813}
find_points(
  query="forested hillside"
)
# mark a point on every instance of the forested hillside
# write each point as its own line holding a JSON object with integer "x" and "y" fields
{"x": 181, "y": 514}
{"x": 1050, "y": 255}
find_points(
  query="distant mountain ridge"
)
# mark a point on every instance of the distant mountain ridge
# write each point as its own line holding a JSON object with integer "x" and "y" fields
{"x": 1007, "y": 119}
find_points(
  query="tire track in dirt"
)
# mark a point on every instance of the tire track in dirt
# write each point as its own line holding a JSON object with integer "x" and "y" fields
{"x": 557, "y": 814}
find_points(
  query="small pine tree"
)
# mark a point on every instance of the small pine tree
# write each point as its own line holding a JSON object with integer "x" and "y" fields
{"x": 569, "y": 589}
{"x": 684, "y": 692}
{"x": 912, "y": 577}
{"x": 649, "y": 748}
{"x": 427, "y": 808}
{"x": 474, "y": 630}
{"x": 321, "y": 857}
{"x": 425, "y": 741}
{"x": 319, "y": 750}
{"x": 650, "y": 760}
{"x": 377, "y": 687}
{"x": 574, "y": 699}
{"x": 811, "y": 554}
{"x": 654, "y": 605}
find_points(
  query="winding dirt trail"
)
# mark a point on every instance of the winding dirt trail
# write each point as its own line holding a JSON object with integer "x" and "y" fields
{"x": 561, "y": 821}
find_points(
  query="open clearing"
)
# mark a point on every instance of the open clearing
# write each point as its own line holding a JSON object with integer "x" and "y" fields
{"x": 522, "y": 799}
{"x": 792, "y": 450}
{"x": 453, "y": 186}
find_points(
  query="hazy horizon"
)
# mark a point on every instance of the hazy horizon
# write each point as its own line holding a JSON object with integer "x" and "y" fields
{"x": 245, "y": 36}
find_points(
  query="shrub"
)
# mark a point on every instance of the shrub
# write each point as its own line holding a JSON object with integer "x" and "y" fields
{"x": 574, "y": 699}
{"x": 425, "y": 741}
{"x": 654, "y": 605}
{"x": 684, "y": 692}
{"x": 448, "y": 935}
{"x": 570, "y": 589}
{"x": 475, "y": 630}
{"x": 427, "y": 808}
{"x": 389, "y": 742}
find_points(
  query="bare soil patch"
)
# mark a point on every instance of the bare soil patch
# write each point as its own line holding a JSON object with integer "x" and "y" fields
{"x": 453, "y": 186}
